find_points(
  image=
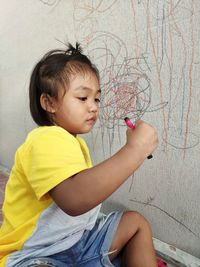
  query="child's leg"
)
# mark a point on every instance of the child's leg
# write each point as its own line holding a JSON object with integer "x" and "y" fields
{"x": 135, "y": 237}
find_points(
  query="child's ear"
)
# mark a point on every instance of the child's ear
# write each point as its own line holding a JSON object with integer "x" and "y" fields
{"x": 48, "y": 103}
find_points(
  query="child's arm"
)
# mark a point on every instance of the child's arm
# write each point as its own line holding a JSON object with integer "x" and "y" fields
{"x": 87, "y": 189}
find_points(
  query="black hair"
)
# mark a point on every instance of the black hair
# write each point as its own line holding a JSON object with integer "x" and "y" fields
{"x": 53, "y": 72}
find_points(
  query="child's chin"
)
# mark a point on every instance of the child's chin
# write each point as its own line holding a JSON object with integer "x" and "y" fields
{"x": 85, "y": 131}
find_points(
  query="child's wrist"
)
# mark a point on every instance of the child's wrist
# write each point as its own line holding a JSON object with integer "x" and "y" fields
{"x": 135, "y": 154}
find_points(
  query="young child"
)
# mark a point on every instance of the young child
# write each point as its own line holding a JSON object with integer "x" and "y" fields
{"x": 53, "y": 195}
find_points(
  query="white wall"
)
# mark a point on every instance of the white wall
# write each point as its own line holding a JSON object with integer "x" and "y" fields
{"x": 148, "y": 55}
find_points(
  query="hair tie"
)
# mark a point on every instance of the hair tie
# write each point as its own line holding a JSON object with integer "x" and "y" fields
{"x": 74, "y": 50}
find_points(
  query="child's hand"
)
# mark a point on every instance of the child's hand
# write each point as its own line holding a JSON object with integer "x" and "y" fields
{"x": 142, "y": 139}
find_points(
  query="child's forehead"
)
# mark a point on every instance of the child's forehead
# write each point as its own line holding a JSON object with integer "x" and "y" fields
{"x": 87, "y": 75}
{"x": 85, "y": 81}
{"x": 86, "y": 89}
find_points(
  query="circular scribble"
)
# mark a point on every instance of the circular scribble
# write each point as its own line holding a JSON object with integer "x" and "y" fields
{"x": 127, "y": 94}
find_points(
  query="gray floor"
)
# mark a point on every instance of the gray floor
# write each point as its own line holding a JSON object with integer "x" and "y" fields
{"x": 170, "y": 265}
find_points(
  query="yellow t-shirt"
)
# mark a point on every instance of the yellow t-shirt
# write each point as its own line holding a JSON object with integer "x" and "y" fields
{"x": 48, "y": 156}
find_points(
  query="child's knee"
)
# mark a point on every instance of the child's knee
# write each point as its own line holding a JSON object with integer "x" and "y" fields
{"x": 136, "y": 218}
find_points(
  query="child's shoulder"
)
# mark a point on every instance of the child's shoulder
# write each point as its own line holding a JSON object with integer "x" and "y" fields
{"x": 51, "y": 137}
{"x": 46, "y": 132}
{"x": 44, "y": 135}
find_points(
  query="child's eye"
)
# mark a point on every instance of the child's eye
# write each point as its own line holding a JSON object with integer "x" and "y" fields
{"x": 97, "y": 100}
{"x": 82, "y": 98}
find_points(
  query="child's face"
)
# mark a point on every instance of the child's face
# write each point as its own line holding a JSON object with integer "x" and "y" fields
{"x": 78, "y": 110}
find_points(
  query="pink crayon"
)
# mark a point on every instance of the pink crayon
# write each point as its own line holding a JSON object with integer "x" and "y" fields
{"x": 129, "y": 123}
{"x": 132, "y": 126}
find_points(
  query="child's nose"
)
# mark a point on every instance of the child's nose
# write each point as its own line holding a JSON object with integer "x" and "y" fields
{"x": 93, "y": 106}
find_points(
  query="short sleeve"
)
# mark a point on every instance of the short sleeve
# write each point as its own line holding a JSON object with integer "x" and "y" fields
{"x": 53, "y": 157}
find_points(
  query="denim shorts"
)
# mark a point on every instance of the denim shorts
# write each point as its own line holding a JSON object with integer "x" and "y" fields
{"x": 92, "y": 250}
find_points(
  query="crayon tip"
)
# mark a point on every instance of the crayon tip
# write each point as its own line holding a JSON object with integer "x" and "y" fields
{"x": 126, "y": 118}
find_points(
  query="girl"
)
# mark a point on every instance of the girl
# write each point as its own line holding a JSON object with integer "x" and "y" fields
{"x": 53, "y": 196}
